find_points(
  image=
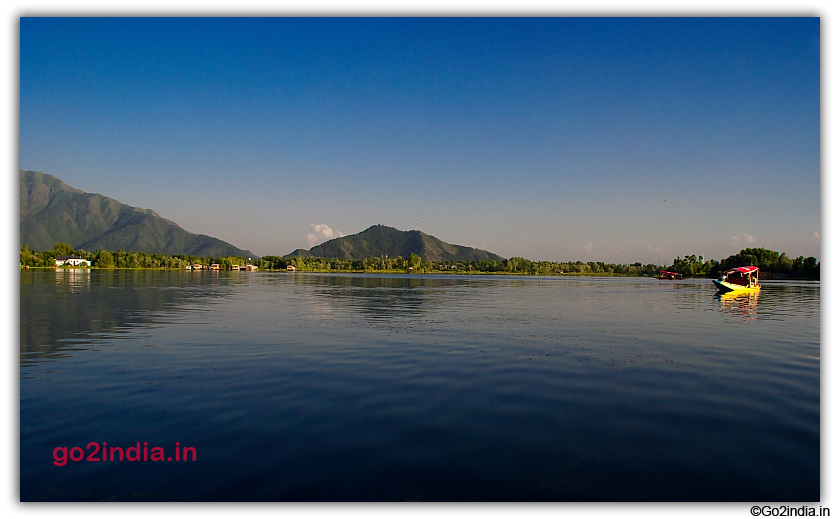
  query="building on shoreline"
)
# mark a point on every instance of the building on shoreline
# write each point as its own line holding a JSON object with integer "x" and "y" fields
{"x": 71, "y": 259}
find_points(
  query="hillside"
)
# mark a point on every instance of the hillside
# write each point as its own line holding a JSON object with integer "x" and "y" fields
{"x": 53, "y": 212}
{"x": 380, "y": 240}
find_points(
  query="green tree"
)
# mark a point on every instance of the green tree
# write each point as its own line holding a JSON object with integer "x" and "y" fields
{"x": 414, "y": 261}
{"x": 104, "y": 260}
{"x": 63, "y": 249}
{"x": 27, "y": 258}
{"x": 785, "y": 264}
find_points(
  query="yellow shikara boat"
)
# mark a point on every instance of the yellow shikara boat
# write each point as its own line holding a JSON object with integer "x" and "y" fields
{"x": 739, "y": 279}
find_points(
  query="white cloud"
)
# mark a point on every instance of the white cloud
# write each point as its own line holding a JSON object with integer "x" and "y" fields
{"x": 748, "y": 239}
{"x": 588, "y": 248}
{"x": 817, "y": 235}
{"x": 321, "y": 232}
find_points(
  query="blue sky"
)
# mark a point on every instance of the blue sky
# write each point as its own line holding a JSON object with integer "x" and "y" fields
{"x": 558, "y": 139}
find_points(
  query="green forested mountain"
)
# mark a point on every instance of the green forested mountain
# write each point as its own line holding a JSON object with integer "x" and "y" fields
{"x": 53, "y": 212}
{"x": 380, "y": 240}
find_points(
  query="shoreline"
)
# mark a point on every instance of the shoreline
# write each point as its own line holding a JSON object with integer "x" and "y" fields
{"x": 368, "y": 271}
{"x": 434, "y": 273}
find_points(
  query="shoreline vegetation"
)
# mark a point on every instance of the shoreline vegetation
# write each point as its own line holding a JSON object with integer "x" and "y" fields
{"x": 770, "y": 262}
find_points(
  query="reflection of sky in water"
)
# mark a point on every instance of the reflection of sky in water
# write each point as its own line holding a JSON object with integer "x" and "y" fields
{"x": 450, "y": 388}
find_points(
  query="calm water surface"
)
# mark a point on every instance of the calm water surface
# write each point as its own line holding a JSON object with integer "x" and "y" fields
{"x": 309, "y": 387}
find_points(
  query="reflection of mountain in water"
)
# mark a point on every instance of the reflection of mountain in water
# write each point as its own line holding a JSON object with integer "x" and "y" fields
{"x": 393, "y": 297}
{"x": 415, "y": 304}
{"x": 62, "y": 310}
{"x": 380, "y": 297}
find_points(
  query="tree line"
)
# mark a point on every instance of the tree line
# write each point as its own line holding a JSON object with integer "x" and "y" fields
{"x": 122, "y": 259}
{"x": 765, "y": 259}
{"x": 689, "y": 266}
{"x": 416, "y": 264}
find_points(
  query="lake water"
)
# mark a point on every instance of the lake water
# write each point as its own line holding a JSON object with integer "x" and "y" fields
{"x": 316, "y": 387}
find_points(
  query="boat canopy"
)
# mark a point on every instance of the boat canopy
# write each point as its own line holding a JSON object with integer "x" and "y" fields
{"x": 667, "y": 272}
{"x": 744, "y": 270}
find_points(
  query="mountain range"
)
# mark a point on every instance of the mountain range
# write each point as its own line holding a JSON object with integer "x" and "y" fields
{"x": 381, "y": 240}
{"x": 52, "y": 212}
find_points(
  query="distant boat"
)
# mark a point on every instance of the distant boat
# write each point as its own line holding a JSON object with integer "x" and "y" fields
{"x": 664, "y": 274}
{"x": 739, "y": 279}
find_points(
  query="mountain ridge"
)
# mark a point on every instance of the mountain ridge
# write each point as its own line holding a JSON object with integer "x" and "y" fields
{"x": 380, "y": 240}
{"x": 51, "y": 211}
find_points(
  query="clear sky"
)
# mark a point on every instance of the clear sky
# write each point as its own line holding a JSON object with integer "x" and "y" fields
{"x": 593, "y": 139}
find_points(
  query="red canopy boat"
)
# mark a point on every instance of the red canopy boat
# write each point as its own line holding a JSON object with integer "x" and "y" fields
{"x": 739, "y": 278}
{"x": 664, "y": 274}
